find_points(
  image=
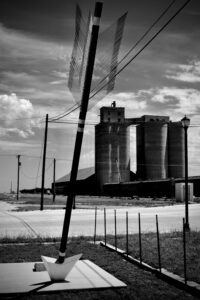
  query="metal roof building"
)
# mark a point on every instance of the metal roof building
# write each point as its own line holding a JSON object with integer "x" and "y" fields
{"x": 85, "y": 183}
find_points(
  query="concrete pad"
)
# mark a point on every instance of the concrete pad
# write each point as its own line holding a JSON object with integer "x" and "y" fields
{"x": 20, "y": 278}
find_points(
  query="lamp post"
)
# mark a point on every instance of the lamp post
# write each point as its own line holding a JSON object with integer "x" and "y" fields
{"x": 186, "y": 123}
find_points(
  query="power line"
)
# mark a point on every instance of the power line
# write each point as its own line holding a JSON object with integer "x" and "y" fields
{"x": 154, "y": 36}
{"x": 132, "y": 48}
{"x": 75, "y": 106}
{"x": 31, "y": 156}
{"x": 61, "y": 114}
{"x": 35, "y": 177}
{"x": 72, "y": 122}
{"x": 142, "y": 37}
{"x": 67, "y": 113}
{"x": 41, "y": 148}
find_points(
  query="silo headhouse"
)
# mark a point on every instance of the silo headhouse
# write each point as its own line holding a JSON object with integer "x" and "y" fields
{"x": 112, "y": 147}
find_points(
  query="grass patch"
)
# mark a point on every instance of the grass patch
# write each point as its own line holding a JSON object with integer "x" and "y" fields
{"x": 140, "y": 284}
{"x": 171, "y": 247}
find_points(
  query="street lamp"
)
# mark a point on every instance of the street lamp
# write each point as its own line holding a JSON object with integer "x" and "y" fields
{"x": 186, "y": 123}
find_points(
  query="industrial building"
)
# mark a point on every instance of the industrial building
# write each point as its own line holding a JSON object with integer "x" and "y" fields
{"x": 159, "y": 148}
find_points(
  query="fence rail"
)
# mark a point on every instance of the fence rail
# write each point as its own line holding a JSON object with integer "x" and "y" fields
{"x": 137, "y": 244}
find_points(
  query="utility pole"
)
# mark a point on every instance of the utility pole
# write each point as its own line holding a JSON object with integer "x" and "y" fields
{"x": 18, "y": 169}
{"x": 74, "y": 202}
{"x": 80, "y": 129}
{"x": 44, "y": 161}
{"x": 186, "y": 123}
{"x": 54, "y": 179}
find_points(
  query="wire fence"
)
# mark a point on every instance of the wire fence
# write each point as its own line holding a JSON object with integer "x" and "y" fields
{"x": 177, "y": 251}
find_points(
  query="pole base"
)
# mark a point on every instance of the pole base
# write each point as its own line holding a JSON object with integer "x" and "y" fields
{"x": 58, "y": 272}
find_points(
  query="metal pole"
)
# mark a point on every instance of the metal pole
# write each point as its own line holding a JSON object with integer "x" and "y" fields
{"x": 115, "y": 218}
{"x": 54, "y": 180}
{"x": 80, "y": 129}
{"x": 105, "y": 225}
{"x": 158, "y": 243}
{"x": 140, "y": 239}
{"x": 44, "y": 161}
{"x": 95, "y": 225}
{"x": 74, "y": 202}
{"x": 18, "y": 173}
{"x": 127, "y": 233}
{"x": 184, "y": 253}
{"x": 187, "y": 226}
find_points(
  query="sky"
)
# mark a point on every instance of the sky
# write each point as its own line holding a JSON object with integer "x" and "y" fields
{"x": 36, "y": 45}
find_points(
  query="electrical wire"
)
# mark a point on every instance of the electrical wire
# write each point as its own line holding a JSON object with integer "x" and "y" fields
{"x": 73, "y": 122}
{"x": 35, "y": 177}
{"x": 67, "y": 113}
{"x": 51, "y": 119}
{"x": 42, "y": 146}
{"x": 146, "y": 44}
{"x": 132, "y": 48}
{"x": 75, "y": 106}
{"x": 142, "y": 37}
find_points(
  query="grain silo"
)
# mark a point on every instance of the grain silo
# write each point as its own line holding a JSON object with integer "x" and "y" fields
{"x": 140, "y": 154}
{"x": 176, "y": 159}
{"x": 112, "y": 147}
{"x": 152, "y": 149}
{"x": 156, "y": 154}
{"x": 102, "y": 153}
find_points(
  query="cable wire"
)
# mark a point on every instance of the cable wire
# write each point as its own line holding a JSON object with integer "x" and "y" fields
{"x": 132, "y": 48}
{"x": 142, "y": 37}
{"x": 154, "y": 36}
{"x": 35, "y": 177}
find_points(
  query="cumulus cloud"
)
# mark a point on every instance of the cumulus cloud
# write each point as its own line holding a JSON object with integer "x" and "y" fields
{"x": 33, "y": 67}
{"x": 185, "y": 72}
{"x": 186, "y": 100}
{"x": 172, "y": 101}
{"x": 16, "y": 116}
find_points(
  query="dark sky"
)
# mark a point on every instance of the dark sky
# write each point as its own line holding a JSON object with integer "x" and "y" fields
{"x": 55, "y": 19}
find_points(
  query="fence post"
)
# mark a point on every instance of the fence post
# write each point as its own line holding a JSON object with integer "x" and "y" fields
{"x": 115, "y": 219}
{"x": 158, "y": 243}
{"x": 140, "y": 240}
{"x": 127, "y": 233}
{"x": 184, "y": 253}
{"x": 105, "y": 225}
{"x": 95, "y": 225}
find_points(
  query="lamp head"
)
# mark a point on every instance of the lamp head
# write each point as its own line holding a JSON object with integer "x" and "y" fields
{"x": 185, "y": 122}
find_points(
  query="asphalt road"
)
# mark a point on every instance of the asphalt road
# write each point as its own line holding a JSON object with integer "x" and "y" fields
{"x": 49, "y": 222}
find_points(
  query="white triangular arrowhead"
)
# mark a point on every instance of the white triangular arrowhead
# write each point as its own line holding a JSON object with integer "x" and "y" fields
{"x": 58, "y": 272}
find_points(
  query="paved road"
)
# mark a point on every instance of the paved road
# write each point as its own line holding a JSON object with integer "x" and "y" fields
{"x": 49, "y": 222}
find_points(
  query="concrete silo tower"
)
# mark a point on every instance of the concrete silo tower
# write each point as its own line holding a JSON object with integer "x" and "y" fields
{"x": 152, "y": 147}
{"x": 176, "y": 150}
{"x": 112, "y": 147}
